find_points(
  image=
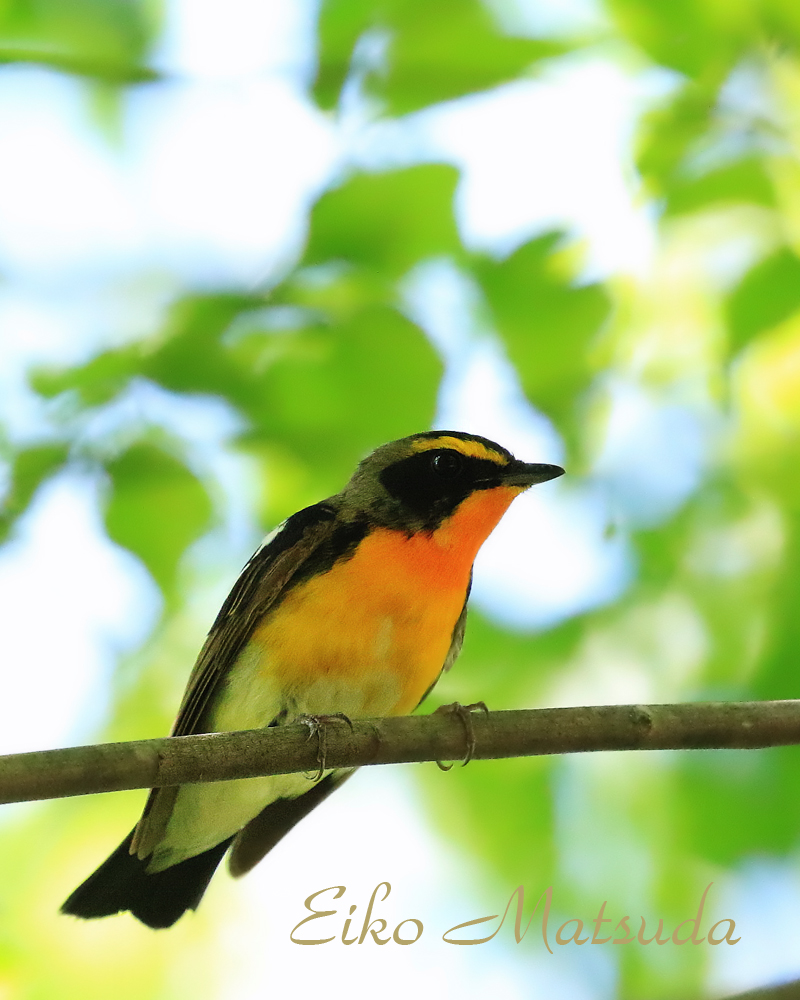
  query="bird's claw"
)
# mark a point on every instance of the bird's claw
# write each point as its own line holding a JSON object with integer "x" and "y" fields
{"x": 464, "y": 713}
{"x": 318, "y": 726}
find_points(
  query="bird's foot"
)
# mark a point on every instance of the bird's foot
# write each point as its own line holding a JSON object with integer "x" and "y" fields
{"x": 318, "y": 726}
{"x": 464, "y": 713}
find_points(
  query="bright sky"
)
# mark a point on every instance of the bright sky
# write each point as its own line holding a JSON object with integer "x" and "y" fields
{"x": 209, "y": 186}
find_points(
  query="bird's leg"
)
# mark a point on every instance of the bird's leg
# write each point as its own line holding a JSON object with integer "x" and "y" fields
{"x": 464, "y": 713}
{"x": 318, "y": 726}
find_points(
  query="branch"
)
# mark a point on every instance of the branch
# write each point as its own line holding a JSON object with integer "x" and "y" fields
{"x": 109, "y": 767}
{"x": 783, "y": 991}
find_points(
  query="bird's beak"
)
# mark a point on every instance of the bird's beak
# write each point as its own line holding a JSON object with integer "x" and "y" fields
{"x": 526, "y": 474}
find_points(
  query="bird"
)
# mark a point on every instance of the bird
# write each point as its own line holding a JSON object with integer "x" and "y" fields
{"x": 352, "y": 607}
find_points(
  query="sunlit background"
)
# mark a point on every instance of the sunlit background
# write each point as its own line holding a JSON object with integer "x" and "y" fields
{"x": 243, "y": 244}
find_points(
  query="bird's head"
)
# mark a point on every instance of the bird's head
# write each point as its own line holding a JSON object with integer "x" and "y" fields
{"x": 419, "y": 483}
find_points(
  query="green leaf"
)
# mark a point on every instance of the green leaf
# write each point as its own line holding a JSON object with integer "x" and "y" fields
{"x": 768, "y": 294}
{"x": 744, "y": 181}
{"x": 157, "y": 508}
{"x": 29, "y": 469}
{"x": 777, "y": 677}
{"x": 547, "y": 324}
{"x": 668, "y": 132}
{"x": 337, "y": 393}
{"x": 700, "y": 39}
{"x": 318, "y": 398}
{"x": 781, "y": 24}
{"x": 193, "y": 356}
{"x": 341, "y": 24}
{"x": 386, "y": 222}
{"x": 717, "y": 785}
{"x": 454, "y": 49}
{"x": 187, "y": 356}
{"x": 102, "y": 39}
{"x": 96, "y": 382}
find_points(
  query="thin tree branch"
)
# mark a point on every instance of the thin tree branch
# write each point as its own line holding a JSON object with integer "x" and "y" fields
{"x": 180, "y": 760}
{"x": 783, "y": 991}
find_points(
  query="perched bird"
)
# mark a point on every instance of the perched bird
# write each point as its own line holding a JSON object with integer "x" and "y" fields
{"x": 355, "y": 605}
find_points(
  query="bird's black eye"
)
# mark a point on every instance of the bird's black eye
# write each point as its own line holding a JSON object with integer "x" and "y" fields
{"x": 447, "y": 464}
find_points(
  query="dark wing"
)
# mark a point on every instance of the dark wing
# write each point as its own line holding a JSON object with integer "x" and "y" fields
{"x": 304, "y": 545}
{"x": 275, "y": 820}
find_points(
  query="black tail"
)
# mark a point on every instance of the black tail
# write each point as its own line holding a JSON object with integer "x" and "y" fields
{"x": 158, "y": 900}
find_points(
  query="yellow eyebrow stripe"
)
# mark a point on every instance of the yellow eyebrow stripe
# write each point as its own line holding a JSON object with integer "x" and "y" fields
{"x": 474, "y": 449}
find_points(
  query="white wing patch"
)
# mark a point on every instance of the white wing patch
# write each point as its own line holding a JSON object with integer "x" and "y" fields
{"x": 270, "y": 537}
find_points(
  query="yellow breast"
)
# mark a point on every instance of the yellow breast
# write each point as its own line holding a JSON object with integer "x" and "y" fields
{"x": 375, "y": 629}
{"x": 370, "y": 636}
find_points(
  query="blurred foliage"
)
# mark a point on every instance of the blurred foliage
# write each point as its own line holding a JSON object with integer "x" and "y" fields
{"x": 455, "y": 49}
{"x": 30, "y": 467}
{"x": 767, "y": 294}
{"x": 384, "y": 224}
{"x": 325, "y": 365}
{"x": 105, "y": 40}
{"x": 547, "y": 324}
{"x": 157, "y": 508}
